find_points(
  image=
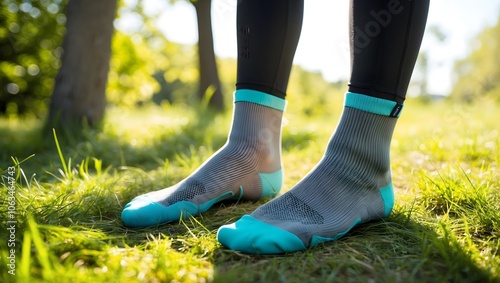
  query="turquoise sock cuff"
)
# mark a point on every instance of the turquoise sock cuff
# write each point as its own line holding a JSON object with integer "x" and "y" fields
{"x": 258, "y": 97}
{"x": 373, "y": 104}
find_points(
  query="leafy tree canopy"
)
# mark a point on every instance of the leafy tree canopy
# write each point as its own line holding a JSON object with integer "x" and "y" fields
{"x": 145, "y": 66}
{"x": 478, "y": 74}
{"x": 30, "y": 38}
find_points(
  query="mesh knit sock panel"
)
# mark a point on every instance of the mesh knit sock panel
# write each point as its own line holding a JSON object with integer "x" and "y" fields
{"x": 351, "y": 184}
{"x": 248, "y": 166}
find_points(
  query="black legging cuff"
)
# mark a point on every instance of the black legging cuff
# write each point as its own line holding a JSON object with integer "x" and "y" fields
{"x": 268, "y": 32}
{"x": 385, "y": 41}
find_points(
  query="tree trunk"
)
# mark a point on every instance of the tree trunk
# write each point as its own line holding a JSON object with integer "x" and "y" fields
{"x": 209, "y": 78}
{"x": 79, "y": 90}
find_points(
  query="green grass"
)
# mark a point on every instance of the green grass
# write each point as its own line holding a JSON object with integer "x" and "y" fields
{"x": 445, "y": 226}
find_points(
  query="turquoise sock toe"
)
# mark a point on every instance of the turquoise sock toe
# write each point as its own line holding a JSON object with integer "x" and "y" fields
{"x": 250, "y": 235}
{"x": 143, "y": 212}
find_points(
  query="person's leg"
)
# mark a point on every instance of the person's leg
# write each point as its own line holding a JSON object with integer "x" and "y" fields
{"x": 248, "y": 166}
{"x": 352, "y": 182}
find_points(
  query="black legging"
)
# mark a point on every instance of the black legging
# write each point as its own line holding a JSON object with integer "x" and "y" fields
{"x": 385, "y": 39}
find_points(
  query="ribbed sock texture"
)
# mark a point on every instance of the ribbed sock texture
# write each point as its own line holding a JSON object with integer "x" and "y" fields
{"x": 343, "y": 189}
{"x": 247, "y": 167}
{"x": 253, "y": 147}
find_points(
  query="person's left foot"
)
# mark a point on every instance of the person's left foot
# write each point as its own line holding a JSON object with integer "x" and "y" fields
{"x": 350, "y": 185}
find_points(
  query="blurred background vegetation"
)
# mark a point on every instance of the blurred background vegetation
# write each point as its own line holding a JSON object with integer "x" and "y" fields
{"x": 146, "y": 68}
{"x": 30, "y": 52}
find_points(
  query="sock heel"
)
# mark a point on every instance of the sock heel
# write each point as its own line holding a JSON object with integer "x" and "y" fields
{"x": 271, "y": 183}
{"x": 387, "y": 194}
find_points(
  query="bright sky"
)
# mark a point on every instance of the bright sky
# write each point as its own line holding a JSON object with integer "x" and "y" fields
{"x": 323, "y": 44}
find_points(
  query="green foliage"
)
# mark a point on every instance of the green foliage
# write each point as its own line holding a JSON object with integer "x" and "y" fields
{"x": 309, "y": 93}
{"x": 146, "y": 67}
{"x": 129, "y": 81}
{"x": 479, "y": 73}
{"x": 142, "y": 71}
{"x": 30, "y": 38}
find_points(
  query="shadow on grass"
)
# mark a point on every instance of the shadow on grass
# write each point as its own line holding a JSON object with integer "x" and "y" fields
{"x": 398, "y": 249}
{"x": 78, "y": 196}
{"x": 21, "y": 142}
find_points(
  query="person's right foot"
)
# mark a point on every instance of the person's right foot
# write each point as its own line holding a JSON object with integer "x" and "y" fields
{"x": 248, "y": 167}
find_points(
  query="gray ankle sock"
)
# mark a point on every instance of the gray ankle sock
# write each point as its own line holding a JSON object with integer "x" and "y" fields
{"x": 350, "y": 185}
{"x": 344, "y": 188}
{"x": 248, "y": 167}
